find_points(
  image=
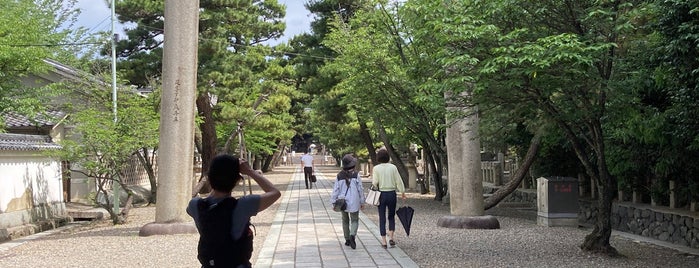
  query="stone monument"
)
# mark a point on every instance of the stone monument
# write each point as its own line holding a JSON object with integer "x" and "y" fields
{"x": 176, "y": 150}
{"x": 464, "y": 171}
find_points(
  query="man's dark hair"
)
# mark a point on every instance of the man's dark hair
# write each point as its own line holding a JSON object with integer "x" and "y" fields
{"x": 382, "y": 156}
{"x": 224, "y": 172}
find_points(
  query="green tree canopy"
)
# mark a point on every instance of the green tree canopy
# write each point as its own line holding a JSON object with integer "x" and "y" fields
{"x": 241, "y": 81}
{"x": 30, "y": 32}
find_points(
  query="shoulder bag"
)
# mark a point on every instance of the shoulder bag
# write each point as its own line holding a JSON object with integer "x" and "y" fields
{"x": 373, "y": 196}
{"x": 341, "y": 204}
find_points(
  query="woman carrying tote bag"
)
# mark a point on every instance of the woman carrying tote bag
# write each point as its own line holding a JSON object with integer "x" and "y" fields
{"x": 386, "y": 178}
{"x": 348, "y": 186}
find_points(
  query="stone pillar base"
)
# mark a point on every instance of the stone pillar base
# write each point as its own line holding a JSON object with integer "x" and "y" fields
{"x": 156, "y": 228}
{"x": 469, "y": 222}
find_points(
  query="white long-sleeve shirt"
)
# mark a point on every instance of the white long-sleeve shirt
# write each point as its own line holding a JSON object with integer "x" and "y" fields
{"x": 354, "y": 196}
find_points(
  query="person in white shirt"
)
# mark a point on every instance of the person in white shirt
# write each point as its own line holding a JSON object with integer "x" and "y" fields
{"x": 308, "y": 165}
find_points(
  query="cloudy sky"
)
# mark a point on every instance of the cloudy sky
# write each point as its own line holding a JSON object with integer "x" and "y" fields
{"x": 96, "y": 15}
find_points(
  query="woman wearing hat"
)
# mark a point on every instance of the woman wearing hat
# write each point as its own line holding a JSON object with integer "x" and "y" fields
{"x": 348, "y": 186}
{"x": 386, "y": 178}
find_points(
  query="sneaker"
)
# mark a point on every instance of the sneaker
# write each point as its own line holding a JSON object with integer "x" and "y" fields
{"x": 347, "y": 242}
{"x": 352, "y": 244}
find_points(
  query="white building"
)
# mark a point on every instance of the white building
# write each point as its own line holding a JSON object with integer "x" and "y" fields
{"x": 31, "y": 186}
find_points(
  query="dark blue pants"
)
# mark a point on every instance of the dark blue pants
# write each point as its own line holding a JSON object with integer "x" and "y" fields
{"x": 307, "y": 172}
{"x": 387, "y": 200}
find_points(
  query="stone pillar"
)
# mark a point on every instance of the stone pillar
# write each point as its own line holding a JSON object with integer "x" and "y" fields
{"x": 500, "y": 170}
{"x": 465, "y": 181}
{"x": 636, "y": 197}
{"x": 499, "y": 176}
{"x": 621, "y": 196}
{"x": 176, "y": 149}
{"x": 412, "y": 176}
{"x": 673, "y": 195}
{"x": 464, "y": 163}
{"x": 472, "y": 182}
{"x": 454, "y": 166}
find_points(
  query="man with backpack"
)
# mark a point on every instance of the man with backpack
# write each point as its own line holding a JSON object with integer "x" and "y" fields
{"x": 223, "y": 222}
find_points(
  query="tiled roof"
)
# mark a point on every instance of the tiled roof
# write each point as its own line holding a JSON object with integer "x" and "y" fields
{"x": 17, "y": 120}
{"x": 21, "y": 142}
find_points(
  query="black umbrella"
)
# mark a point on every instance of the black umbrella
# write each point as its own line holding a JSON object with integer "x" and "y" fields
{"x": 405, "y": 215}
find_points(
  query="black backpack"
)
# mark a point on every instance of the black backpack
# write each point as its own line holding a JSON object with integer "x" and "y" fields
{"x": 216, "y": 246}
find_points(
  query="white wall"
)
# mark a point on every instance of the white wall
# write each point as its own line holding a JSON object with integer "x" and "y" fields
{"x": 30, "y": 187}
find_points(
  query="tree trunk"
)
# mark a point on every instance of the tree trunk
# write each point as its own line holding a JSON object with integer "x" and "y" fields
{"x": 146, "y": 160}
{"x": 366, "y": 138}
{"x": 598, "y": 240}
{"x": 229, "y": 141}
{"x": 257, "y": 162}
{"x": 436, "y": 172}
{"x": 273, "y": 160}
{"x": 519, "y": 175}
{"x": 197, "y": 140}
{"x": 402, "y": 170}
{"x": 124, "y": 213}
{"x": 208, "y": 141}
{"x": 100, "y": 182}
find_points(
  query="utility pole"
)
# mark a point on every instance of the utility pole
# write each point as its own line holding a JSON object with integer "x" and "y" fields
{"x": 115, "y": 185}
{"x": 176, "y": 149}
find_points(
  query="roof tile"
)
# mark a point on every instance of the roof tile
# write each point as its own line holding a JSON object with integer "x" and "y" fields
{"x": 21, "y": 142}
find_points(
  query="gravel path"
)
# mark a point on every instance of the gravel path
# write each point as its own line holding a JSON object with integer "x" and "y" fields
{"x": 519, "y": 242}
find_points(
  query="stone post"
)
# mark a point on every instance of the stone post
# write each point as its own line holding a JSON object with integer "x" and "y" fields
{"x": 499, "y": 173}
{"x": 454, "y": 163}
{"x": 500, "y": 170}
{"x": 176, "y": 149}
{"x": 636, "y": 197}
{"x": 464, "y": 169}
{"x": 673, "y": 195}
{"x": 621, "y": 196}
{"x": 465, "y": 181}
{"x": 412, "y": 176}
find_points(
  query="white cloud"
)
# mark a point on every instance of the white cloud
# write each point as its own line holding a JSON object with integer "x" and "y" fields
{"x": 298, "y": 18}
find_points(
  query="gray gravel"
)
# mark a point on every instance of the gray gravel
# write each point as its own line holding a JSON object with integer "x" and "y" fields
{"x": 519, "y": 242}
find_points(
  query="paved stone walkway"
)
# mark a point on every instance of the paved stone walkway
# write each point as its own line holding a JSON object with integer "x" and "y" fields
{"x": 306, "y": 232}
